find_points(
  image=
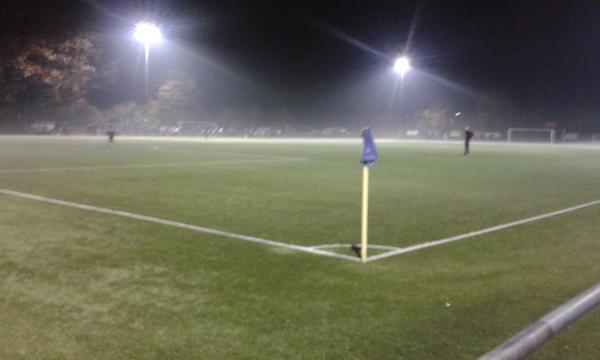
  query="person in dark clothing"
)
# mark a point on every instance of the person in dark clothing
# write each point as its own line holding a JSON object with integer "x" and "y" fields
{"x": 468, "y": 136}
{"x": 111, "y": 131}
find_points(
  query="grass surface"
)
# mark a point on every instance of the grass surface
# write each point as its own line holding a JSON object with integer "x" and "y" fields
{"x": 77, "y": 284}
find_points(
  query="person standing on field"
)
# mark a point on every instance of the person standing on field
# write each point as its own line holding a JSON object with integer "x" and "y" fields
{"x": 111, "y": 131}
{"x": 468, "y": 137}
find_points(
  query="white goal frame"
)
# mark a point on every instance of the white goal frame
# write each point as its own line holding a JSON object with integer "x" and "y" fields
{"x": 511, "y": 130}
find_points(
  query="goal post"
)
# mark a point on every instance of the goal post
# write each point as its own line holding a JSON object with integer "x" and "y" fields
{"x": 530, "y": 135}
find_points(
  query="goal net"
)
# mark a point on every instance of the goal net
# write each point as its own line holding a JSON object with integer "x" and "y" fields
{"x": 530, "y": 135}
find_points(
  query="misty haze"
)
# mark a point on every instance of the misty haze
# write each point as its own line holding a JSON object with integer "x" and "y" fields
{"x": 266, "y": 179}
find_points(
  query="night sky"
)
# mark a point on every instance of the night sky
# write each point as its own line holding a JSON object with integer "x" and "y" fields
{"x": 332, "y": 59}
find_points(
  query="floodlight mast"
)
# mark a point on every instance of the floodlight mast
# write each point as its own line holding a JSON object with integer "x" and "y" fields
{"x": 401, "y": 67}
{"x": 147, "y": 34}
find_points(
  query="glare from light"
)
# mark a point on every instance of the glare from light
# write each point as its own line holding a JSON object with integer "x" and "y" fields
{"x": 402, "y": 65}
{"x": 457, "y": 114}
{"x": 147, "y": 34}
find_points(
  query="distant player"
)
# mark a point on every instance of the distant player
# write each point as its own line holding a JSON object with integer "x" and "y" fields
{"x": 111, "y": 131}
{"x": 468, "y": 137}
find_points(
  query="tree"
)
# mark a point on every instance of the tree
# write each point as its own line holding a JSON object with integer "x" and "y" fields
{"x": 436, "y": 118}
{"x": 176, "y": 93}
{"x": 174, "y": 101}
{"x": 11, "y": 83}
{"x": 63, "y": 68}
{"x": 49, "y": 78}
{"x": 495, "y": 113}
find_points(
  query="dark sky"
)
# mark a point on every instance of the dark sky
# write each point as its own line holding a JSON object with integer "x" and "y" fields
{"x": 333, "y": 58}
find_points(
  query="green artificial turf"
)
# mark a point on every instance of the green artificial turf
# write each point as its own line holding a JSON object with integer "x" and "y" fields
{"x": 76, "y": 284}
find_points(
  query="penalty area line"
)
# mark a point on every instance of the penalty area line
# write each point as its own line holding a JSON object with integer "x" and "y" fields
{"x": 142, "y": 166}
{"x": 175, "y": 224}
{"x": 479, "y": 232}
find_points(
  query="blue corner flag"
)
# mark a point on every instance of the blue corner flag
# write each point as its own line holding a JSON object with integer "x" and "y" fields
{"x": 369, "y": 155}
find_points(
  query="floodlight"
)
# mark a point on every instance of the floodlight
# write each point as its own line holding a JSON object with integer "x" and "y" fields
{"x": 402, "y": 65}
{"x": 147, "y": 34}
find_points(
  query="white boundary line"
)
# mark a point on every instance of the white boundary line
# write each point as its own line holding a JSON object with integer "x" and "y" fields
{"x": 199, "y": 151}
{"x": 133, "y": 166}
{"x": 371, "y": 246}
{"x": 176, "y": 224}
{"x": 479, "y": 232}
{"x": 315, "y": 250}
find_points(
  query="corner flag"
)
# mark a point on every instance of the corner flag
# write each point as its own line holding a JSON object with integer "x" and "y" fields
{"x": 369, "y": 155}
{"x": 368, "y": 159}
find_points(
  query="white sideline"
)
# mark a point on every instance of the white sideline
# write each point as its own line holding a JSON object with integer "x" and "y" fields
{"x": 176, "y": 224}
{"x": 478, "y": 232}
{"x": 138, "y": 166}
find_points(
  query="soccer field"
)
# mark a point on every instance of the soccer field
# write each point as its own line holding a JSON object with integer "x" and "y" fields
{"x": 153, "y": 249}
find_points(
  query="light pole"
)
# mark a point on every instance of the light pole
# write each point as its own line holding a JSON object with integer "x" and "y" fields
{"x": 147, "y": 34}
{"x": 401, "y": 67}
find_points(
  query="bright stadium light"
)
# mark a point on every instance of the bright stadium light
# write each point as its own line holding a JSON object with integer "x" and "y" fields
{"x": 402, "y": 65}
{"x": 147, "y": 34}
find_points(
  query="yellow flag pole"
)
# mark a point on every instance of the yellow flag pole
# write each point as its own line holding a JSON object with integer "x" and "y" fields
{"x": 365, "y": 214}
